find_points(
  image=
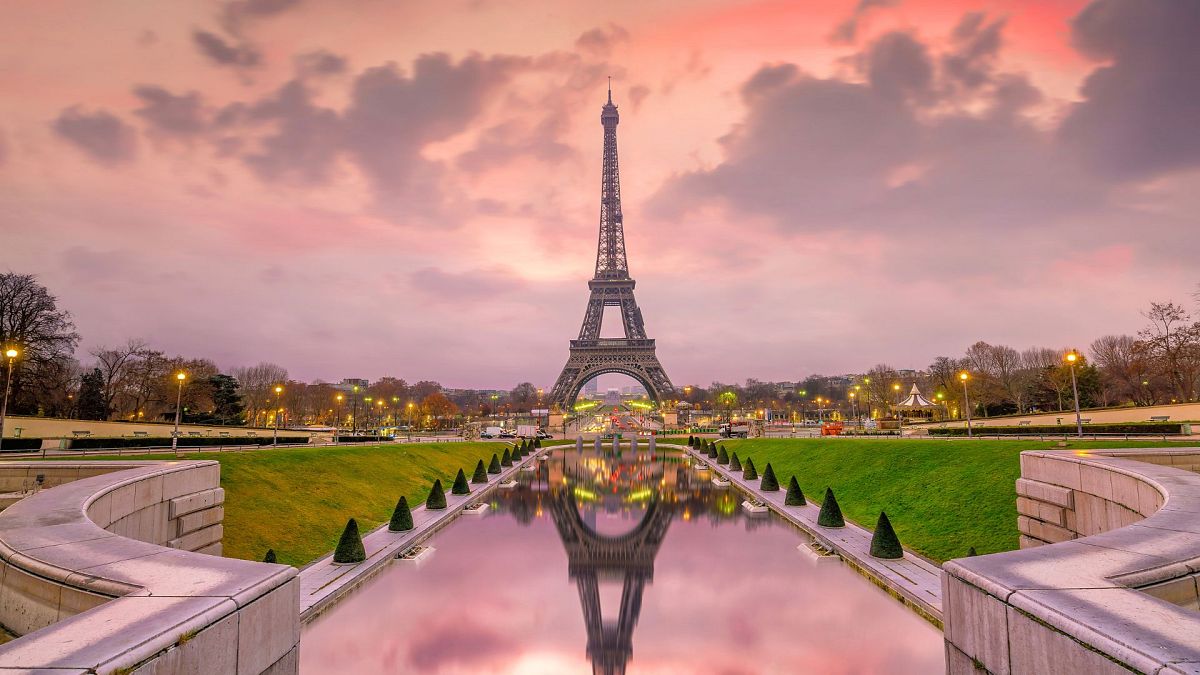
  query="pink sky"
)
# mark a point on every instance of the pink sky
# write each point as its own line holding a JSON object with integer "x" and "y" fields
{"x": 369, "y": 188}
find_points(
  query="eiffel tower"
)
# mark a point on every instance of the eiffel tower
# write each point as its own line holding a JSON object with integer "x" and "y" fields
{"x": 611, "y": 286}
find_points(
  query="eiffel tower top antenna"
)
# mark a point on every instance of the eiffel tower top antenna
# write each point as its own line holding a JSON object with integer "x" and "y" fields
{"x": 610, "y": 88}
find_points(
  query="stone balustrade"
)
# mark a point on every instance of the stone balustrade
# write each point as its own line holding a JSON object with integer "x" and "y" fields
{"x": 116, "y": 567}
{"x": 1106, "y": 581}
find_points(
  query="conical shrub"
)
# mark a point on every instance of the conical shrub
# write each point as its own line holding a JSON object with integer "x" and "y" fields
{"x": 769, "y": 482}
{"x": 506, "y": 460}
{"x": 971, "y": 552}
{"x": 350, "y": 547}
{"x": 750, "y": 473}
{"x": 401, "y": 517}
{"x": 831, "y": 513}
{"x": 270, "y": 556}
{"x": 712, "y": 450}
{"x": 691, "y": 441}
{"x": 885, "y": 543}
{"x": 537, "y": 442}
{"x": 722, "y": 456}
{"x": 795, "y": 497}
{"x": 735, "y": 464}
{"x": 460, "y": 487}
{"x": 437, "y": 496}
{"x": 494, "y": 466}
{"x": 480, "y": 473}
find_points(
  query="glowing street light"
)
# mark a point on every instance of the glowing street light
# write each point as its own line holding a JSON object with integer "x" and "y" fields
{"x": 966, "y": 400}
{"x": 278, "y": 402}
{"x": 11, "y": 354}
{"x": 1072, "y": 357}
{"x": 337, "y": 419}
{"x": 179, "y": 378}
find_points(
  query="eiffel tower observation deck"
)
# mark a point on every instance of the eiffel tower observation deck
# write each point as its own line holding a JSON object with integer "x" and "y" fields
{"x": 611, "y": 286}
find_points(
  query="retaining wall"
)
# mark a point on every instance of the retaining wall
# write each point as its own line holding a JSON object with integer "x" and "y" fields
{"x": 1106, "y": 581}
{"x": 116, "y": 567}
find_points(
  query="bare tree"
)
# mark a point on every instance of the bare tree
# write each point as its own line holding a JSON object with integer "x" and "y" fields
{"x": 116, "y": 366}
{"x": 258, "y": 389}
{"x": 31, "y": 321}
{"x": 1172, "y": 341}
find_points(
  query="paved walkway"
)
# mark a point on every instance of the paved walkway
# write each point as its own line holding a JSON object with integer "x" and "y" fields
{"x": 912, "y": 579}
{"x": 323, "y": 583}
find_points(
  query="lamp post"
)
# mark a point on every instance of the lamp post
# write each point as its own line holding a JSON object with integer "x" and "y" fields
{"x": 854, "y": 408}
{"x": 337, "y": 419}
{"x": 867, "y": 383}
{"x": 11, "y": 354}
{"x": 354, "y": 412}
{"x": 966, "y": 400}
{"x": 279, "y": 405}
{"x": 410, "y": 418}
{"x": 179, "y": 378}
{"x": 1072, "y": 357}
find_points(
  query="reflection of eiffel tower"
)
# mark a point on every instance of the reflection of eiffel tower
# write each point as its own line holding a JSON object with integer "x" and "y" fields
{"x": 592, "y": 557}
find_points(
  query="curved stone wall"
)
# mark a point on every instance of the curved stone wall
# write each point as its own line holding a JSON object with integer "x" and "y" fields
{"x": 1116, "y": 592}
{"x": 106, "y": 571}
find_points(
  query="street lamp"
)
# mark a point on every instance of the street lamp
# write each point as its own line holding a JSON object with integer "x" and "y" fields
{"x": 966, "y": 400}
{"x": 279, "y": 403}
{"x": 337, "y": 419}
{"x": 854, "y": 408}
{"x": 354, "y": 413}
{"x": 11, "y": 355}
{"x": 179, "y": 378}
{"x": 1072, "y": 357}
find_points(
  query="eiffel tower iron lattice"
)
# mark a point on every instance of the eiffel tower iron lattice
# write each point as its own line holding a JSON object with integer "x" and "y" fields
{"x": 592, "y": 355}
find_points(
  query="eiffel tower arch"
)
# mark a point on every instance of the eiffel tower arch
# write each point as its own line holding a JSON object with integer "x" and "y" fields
{"x": 611, "y": 286}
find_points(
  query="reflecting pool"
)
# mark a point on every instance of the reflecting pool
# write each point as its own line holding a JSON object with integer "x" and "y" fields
{"x": 626, "y": 563}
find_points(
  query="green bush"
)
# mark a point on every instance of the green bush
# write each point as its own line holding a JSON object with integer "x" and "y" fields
{"x": 437, "y": 496}
{"x": 750, "y": 473}
{"x": 712, "y": 450}
{"x": 460, "y": 487}
{"x": 884, "y": 543}
{"x": 401, "y": 517}
{"x": 537, "y": 442}
{"x": 506, "y": 460}
{"x": 480, "y": 473}
{"x": 494, "y": 466}
{"x": 795, "y": 496}
{"x": 769, "y": 482}
{"x": 350, "y": 547}
{"x": 359, "y": 439}
{"x": 831, "y": 513}
{"x": 270, "y": 556}
{"x": 165, "y": 442}
{"x": 722, "y": 456}
{"x": 971, "y": 552}
{"x": 735, "y": 464}
{"x": 691, "y": 441}
{"x": 1068, "y": 429}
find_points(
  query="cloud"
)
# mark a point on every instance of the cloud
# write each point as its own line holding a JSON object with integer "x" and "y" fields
{"x": 847, "y": 30}
{"x": 898, "y": 65}
{"x": 304, "y": 143}
{"x": 222, "y": 53}
{"x": 976, "y": 44}
{"x": 1139, "y": 111}
{"x": 101, "y": 135}
{"x": 170, "y": 114}
{"x": 600, "y": 41}
{"x": 318, "y": 63}
{"x": 235, "y": 14}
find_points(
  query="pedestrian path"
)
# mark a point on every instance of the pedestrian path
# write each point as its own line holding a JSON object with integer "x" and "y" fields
{"x": 323, "y": 583}
{"x": 914, "y": 580}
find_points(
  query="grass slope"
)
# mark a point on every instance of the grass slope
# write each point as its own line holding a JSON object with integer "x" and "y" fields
{"x": 942, "y": 496}
{"x": 297, "y": 500}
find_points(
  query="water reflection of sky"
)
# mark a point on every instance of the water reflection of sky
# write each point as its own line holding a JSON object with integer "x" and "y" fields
{"x": 730, "y": 595}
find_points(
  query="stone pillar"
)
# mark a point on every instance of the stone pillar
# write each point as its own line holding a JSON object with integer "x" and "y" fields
{"x": 652, "y": 440}
{"x": 633, "y": 444}
{"x": 579, "y": 444}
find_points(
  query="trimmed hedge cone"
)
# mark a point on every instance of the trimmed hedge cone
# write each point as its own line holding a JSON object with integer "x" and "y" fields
{"x": 712, "y": 450}
{"x": 691, "y": 441}
{"x": 506, "y": 460}
{"x": 735, "y": 464}
{"x": 494, "y": 467}
{"x": 750, "y": 473}
{"x": 831, "y": 513}
{"x": 401, "y": 517}
{"x": 460, "y": 486}
{"x": 350, "y": 547}
{"x": 437, "y": 496}
{"x": 884, "y": 543}
{"x": 722, "y": 456}
{"x": 971, "y": 553}
{"x": 270, "y": 556}
{"x": 480, "y": 473}
{"x": 795, "y": 497}
{"x": 769, "y": 482}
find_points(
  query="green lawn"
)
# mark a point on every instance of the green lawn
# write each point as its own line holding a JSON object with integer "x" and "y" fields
{"x": 297, "y": 500}
{"x": 942, "y": 496}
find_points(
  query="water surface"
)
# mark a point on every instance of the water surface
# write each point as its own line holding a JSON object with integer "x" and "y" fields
{"x": 607, "y": 564}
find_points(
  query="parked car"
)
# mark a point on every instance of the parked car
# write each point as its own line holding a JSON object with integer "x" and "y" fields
{"x": 542, "y": 435}
{"x": 508, "y": 433}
